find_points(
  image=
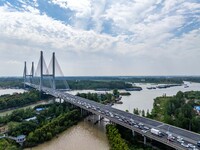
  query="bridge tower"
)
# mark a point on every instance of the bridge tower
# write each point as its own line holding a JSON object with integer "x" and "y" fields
{"x": 25, "y": 75}
{"x": 42, "y": 74}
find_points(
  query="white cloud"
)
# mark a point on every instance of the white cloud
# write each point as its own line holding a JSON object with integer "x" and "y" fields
{"x": 83, "y": 7}
{"x": 143, "y": 30}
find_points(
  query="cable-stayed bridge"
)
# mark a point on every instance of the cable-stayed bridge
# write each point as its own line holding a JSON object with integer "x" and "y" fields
{"x": 133, "y": 122}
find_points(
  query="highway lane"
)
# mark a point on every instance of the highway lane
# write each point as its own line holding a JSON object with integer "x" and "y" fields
{"x": 191, "y": 136}
{"x": 188, "y": 136}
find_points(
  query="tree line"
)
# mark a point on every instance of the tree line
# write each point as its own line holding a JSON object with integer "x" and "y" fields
{"x": 20, "y": 99}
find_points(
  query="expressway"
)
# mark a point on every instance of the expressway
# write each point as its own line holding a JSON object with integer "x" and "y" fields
{"x": 134, "y": 122}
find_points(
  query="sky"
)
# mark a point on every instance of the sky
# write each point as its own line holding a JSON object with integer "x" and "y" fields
{"x": 102, "y": 37}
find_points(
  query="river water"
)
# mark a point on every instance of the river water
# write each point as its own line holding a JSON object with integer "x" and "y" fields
{"x": 87, "y": 136}
{"x": 11, "y": 91}
{"x": 83, "y": 136}
{"x": 144, "y": 99}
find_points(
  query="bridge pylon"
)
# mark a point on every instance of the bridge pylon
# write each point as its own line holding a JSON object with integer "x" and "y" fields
{"x": 28, "y": 76}
{"x": 42, "y": 74}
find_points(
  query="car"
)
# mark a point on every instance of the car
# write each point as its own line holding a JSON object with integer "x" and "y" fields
{"x": 144, "y": 131}
{"x": 146, "y": 128}
{"x": 120, "y": 119}
{"x": 136, "y": 126}
{"x": 141, "y": 124}
{"x": 111, "y": 115}
{"x": 191, "y": 145}
{"x": 161, "y": 134}
{"x": 117, "y": 117}
{"x": 198, "y": 143}
{"x": 170, "y": 138}
{"x": 180, "y": 140}
{"x": 179, "y": 137}
{"x": 141, "y": 127}
{"x": 129, "y": 122}
{"x": 185, "y": 145}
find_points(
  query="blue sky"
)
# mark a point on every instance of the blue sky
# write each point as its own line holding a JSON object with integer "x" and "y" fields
{"x": 124, "y": 37}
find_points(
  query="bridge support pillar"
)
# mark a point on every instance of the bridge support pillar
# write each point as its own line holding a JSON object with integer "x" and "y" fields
{"x": 101, "y": 118}
{"x": 81, "y": 112}
{"x": 133, "y": 132}
{"x": 145, "y": 140}
{"x": 60, "y": 100}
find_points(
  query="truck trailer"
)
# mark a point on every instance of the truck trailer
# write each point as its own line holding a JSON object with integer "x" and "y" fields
{"x": 156, "y": 132}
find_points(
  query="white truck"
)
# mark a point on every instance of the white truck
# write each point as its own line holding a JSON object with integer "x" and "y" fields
{"x": 156, "y": 132}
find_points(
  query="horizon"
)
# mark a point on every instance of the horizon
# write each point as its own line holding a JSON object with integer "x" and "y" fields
{"x": 115, "y": 76}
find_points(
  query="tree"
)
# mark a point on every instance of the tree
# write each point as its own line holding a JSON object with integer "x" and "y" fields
{"x": 143, "y": 113}
{"x": 116, "y": 93}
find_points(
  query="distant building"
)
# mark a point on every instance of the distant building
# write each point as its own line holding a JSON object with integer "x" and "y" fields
{"x": 197, "y": 108}
{"x": 20, "y": 138}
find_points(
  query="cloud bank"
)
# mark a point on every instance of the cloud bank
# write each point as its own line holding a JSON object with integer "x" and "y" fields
{"x": 132, "y": 37}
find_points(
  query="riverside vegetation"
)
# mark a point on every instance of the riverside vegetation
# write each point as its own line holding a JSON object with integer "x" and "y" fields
{"x": 20, "y": 99}
{"x": 104, "y": 98}
{"x": 178, "y": 110}
{"x": 54, "y": 119}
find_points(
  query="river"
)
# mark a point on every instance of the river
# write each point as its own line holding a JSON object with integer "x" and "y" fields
{"x": 11, "y": 91}
{"x": 83, "y": 136}
{"x": 144, "y": 99}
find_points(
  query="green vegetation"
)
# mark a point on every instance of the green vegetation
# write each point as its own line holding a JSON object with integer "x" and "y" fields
{"x": 121, "y": 138}
{"x": 124, "y": 93}
{"x": 18, "y": 100}
{"x": 11, "y": 83}
{"x": 48, "y": 130}
{"x": 178, "y": 110}
{"x": 106, "y": 98}
{"x": 52, "y": 120}
{"x": 7, "y": 145}
{"x": 114, "y": 138}
{"x": 100, "y": 98}
{"x": 17, "y": 115}
{"x": 88, "y": 84}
